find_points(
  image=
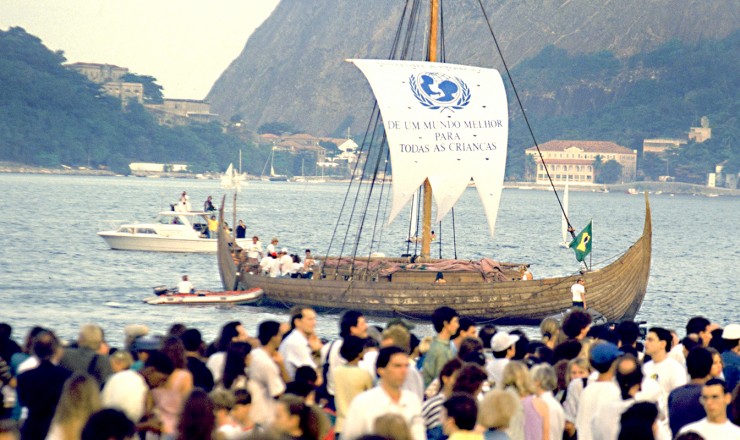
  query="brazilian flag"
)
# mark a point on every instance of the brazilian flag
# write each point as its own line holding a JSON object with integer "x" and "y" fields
{"x": 581, "y": 245}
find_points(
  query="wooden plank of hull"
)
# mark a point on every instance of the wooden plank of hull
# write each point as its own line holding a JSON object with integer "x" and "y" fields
{"x": 617, "y": 290}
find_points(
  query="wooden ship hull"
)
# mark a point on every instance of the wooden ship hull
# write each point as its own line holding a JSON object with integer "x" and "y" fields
{"x": 616, "y": 290}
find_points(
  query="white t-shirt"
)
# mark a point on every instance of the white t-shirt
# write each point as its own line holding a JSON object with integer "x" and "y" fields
{"x": 668, "y": 373}
{"x": 265, "y": 383}
{"x": 271, "y": 249}
{"x": 184, "y": 287}
{"x": 368, "y": 406}
{"x": 711, "y": 431}
{"x": 296, "y": 352}
{"x": 557, "y": 416}
{"x": 578, "y": 291}
{"x": 286, "y": 264}
{"x": 595, "y": 396}
{"x": 606, "y": 422}
{"x": 254, "y": 249}
{"x": 265, "y": 264}
{"x": 274, "y": 270}
{"x": 495, "y": 368}
{"x": 126, "y": 391}
{"x": 216, "y": 363}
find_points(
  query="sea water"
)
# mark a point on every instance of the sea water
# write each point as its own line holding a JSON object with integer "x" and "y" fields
{"x": 56, "y": 272}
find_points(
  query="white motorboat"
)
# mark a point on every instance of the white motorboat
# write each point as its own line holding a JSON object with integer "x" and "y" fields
{"x": 172, "y": 231}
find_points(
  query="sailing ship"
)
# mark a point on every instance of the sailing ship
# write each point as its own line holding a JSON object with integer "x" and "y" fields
{"x": 442, "y": 125}
{"x": 272, "y": 177}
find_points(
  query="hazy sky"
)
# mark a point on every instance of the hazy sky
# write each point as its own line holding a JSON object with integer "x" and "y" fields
{"x": 185, "y": 44}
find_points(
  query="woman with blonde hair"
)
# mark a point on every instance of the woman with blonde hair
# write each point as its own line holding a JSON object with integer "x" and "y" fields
{"x": 550, "y": 331}
{"x": 533, "y": 422}
{"x": 80, "y": 399}
{"x": 495, "y": 413}
{"x": 392, "y": 426}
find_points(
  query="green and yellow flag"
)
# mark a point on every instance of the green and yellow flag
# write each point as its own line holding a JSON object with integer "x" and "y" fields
{"x": 581, "y": 245}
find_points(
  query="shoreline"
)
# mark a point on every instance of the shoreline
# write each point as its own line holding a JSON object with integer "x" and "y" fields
{"x": 664, "y": 188}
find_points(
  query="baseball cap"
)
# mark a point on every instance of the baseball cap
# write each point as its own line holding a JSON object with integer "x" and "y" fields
{"x": 731, "y": 332}
{"x": 502, "y": 341}
{"x": 606, "y": 352}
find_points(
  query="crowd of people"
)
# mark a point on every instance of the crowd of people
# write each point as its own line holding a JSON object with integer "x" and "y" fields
{"x": 276, "y": 262}
{"x": 468, "y": 382}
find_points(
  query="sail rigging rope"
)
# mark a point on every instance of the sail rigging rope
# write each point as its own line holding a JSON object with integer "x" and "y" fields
{"x": 526, "y": 119}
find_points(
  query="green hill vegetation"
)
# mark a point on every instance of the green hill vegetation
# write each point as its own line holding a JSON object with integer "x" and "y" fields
{"x": 657, "y": 94}
{"x": 50, "y": 115}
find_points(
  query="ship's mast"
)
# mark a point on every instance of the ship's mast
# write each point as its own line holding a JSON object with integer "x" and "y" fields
{"x": 426, "y": 222}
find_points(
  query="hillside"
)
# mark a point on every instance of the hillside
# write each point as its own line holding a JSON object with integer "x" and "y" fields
{"x": 50, "y": 115}
{"x": 292, "y": 68}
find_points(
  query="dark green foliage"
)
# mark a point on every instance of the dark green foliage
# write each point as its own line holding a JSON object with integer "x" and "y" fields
{"x": 152, "y": 90}
{"x": 50, "y": 115}
{"x": 655, "y": 94}
{"x": 610, "y": 172}
{"x": 278, "y": 128}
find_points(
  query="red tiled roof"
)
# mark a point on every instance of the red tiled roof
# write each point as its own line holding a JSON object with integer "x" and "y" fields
{"x": 587, "y": 146}
{"x": 567, "y": 161}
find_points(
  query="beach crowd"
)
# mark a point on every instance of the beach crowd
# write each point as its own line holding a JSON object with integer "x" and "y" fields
{"x": 471, "y": 381}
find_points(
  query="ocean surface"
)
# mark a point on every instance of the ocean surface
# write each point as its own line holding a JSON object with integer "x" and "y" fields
{"x": 56, "y": 272}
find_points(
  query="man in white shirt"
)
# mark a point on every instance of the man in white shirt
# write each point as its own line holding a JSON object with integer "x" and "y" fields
{"x": 301, "y": 343}
{"x": 388, "y": 397}
{"x": 185, "y": 286}
{"x": 715, "y": 397}
{"x": 254, "y": 249}
{"x": 503, "y": 348}
{"x": 266, "y": 373}
{"x": 606, "y": 421}
{"x": 664, "y": 369}
{"x": 599, "y": 393}
{"x": 286, "y": 262}
{"x": 578, "y": 290}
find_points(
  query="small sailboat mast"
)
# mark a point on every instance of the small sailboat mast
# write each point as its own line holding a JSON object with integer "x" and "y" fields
{"x": 426, "y": 221}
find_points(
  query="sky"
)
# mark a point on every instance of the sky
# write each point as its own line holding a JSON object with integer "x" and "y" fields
{"x": 185, "y": 44}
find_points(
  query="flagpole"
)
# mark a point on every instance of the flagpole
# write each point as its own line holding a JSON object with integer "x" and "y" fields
{"x": 591, "y": 254}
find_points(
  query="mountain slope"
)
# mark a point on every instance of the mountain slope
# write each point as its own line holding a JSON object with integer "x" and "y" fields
{"x": 292, "y": 69}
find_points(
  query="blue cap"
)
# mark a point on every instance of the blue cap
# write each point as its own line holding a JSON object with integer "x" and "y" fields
{"x": 605, "y": 352}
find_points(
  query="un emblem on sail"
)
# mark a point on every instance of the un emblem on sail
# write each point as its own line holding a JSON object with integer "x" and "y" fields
{"x": 437, "y": 91}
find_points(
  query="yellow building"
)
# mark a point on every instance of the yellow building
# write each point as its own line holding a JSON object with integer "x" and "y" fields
{"x": 659, "y": 146}
{"x": 182, "y": 111}
{"x": 125, "y": 91}
{"x": 573, "y": 161}
{"x": 99, "y": 73}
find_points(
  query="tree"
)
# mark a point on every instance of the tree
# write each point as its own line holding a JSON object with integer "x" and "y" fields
{"x": 277, "y": 128}
{"x": 152, "y": 90}
{"x": 610, "y": 172}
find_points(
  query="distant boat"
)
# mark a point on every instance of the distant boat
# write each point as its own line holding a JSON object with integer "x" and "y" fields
{"x": 632, "y": 191}
{"x": 205, "y": 297}
{"x": 232, "y": 179}
{"x": 564, "y": 221}
{"x": 272, "y": 177}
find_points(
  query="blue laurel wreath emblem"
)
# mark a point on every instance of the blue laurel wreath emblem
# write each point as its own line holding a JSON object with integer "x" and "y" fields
{"x": 437, "y": 91}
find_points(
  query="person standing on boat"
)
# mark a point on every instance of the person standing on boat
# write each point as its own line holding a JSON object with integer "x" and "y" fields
{"x": 184, "y": 202}
{"x": 212, "y": 227}
{"x": 241, "y": 230}
{"x": 272, "y": 247}
{"x": 308, "y": 264}
{"x": 578, "y": 290}
{"x": 254, "y": 249}
{"x": 208, "y": 205}
{"x": 286, "y": 262}
{"x": 185, "y": 286}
